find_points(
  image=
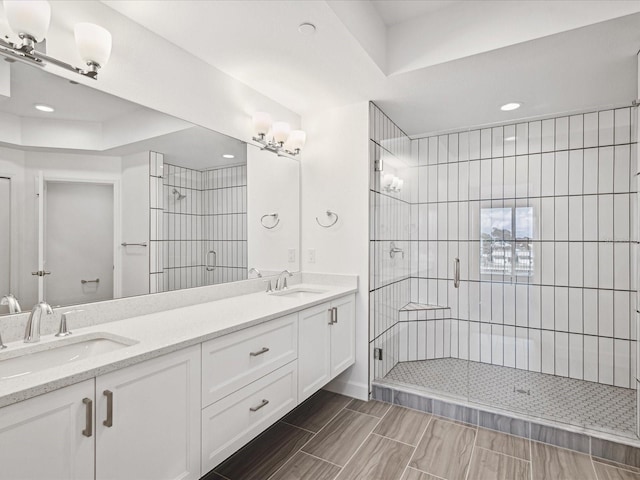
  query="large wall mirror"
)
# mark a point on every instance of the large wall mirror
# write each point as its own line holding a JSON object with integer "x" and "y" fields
{"x": 101, "y": 198}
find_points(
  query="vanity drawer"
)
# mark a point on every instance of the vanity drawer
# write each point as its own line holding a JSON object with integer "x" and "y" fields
{"x": 232, "y": 422}
{"x": 235, "y": 360}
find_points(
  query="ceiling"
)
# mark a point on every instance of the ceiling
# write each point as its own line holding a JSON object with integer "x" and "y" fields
{"x": 431, "y": 65}
{"x": 399, "y": 11}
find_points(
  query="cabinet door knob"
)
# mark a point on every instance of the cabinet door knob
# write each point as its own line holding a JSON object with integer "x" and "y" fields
{"x": 259, "y": 352}
{"x": 109, "y": 421}
{"x": 264, "y": 403}
{"x": 88, "y": 431}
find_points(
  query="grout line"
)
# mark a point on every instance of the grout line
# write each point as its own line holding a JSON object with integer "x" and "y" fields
{"x": 420, "y": 441}
{"x": 595, "y": 472}
{"x": 473, "y": 451}
{"x": 315, "y": 456}
{"x": 392, "y": 439}
{"x": 504, "y": 454}
{"x": 296, "y": 426}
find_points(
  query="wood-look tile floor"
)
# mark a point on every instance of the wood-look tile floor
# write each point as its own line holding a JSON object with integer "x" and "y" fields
{"x": 332, "y": 437}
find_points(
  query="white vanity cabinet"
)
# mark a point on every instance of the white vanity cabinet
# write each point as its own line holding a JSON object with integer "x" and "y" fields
{"x": 326, "y": 344}
{"x": 49, "y": 436}
{"x": 148, "y": 419}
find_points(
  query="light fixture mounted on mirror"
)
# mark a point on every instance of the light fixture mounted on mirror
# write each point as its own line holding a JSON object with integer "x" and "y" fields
{"x": 277, "y": 137}
{"x": 30, "y": 20}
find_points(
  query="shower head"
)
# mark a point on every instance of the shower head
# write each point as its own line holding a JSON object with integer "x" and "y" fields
{"x": 179, "y": 196}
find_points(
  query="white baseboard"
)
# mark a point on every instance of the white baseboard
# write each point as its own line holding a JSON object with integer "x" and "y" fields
{"x": 350, "y": 389}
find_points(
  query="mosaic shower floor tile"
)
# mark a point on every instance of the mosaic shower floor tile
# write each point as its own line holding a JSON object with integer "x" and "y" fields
{"x": 577, "y": 402}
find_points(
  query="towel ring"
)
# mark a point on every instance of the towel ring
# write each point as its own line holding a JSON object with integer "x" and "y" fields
{"x": 329, "y": 214}
{"x": 276, "y": 220}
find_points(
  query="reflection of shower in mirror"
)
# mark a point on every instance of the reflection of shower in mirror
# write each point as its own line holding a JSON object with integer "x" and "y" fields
{"x": 179, "y": 196}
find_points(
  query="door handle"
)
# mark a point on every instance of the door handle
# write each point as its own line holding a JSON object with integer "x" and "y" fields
{"x": 456, "y": 272}
{"x": 109, "y": 421}
{"x": 335, "y": 314}
{"x": 40, "y": 273}
{"x": 211, "y": 266}
{"x": 330, "y": 316}
{"x": 88, "y": 430}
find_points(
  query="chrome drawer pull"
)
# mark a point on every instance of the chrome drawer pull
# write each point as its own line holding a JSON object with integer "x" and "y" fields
{"x": 263, "y": 404}
{"x": 109, "y": 421}
{"x": 259, "y": 352}
{"x": 330, "y": 316}
{"x": 88, "y": 431}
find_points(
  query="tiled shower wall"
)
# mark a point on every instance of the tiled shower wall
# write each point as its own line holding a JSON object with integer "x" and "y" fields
{"x": 559, "y": 298}
{"x": 200, "y": 239}
{"x": 389, "y": 280}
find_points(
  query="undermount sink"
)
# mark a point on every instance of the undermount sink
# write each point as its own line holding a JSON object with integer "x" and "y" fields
{"x": 57, "y": 353}
{"x": 299, "y": 292}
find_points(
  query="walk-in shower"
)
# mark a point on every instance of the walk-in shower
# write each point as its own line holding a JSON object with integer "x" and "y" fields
{"x": 518, "y": 290}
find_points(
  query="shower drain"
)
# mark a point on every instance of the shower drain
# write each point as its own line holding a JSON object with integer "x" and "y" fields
{"x": 521, "y": 390}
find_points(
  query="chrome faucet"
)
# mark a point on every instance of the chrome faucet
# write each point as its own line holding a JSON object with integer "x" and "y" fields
{"x": 281, "y": 282}
{"x": 12, "y": 302}
{"x": 256, "y": 271}
{"x": 32, "y": 332}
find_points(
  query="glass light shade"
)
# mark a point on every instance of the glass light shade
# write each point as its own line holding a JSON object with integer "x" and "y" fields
{"x": 29, "y": 17}
{"x": 297, "y": 139}
{"x": 400, "y": 184}
{"x": 387, "y": 180}
{"x": 394, "y": 183}
{"x": 93, "y": 43}
{"x": 280, "y": 131}
{"x": 261, "y": 123}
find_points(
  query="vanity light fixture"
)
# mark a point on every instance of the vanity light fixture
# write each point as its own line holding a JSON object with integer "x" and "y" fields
{"x": 30, "y": 21}
{"x": 507, "y": 107}
{"x": 391, "y": 183}
{"x": 277, "y": 137}
{"x": 44, "y": 108}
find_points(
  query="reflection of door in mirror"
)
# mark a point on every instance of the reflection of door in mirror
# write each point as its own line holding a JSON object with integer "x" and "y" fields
{"x": 5, "y": 238}
{"x": 78, "y": 242}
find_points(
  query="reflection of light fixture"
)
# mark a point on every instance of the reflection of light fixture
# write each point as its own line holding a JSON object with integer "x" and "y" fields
{"x": 277, "y": 137}
{"x": 507, "y": 107}
{"x": 391, "y": 183}
{"x": 30, "y": 21}
{"x": 228, "y": 155}
{"x": 44, "y": 108}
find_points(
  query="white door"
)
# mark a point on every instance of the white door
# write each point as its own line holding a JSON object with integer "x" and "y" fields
{"x": 314, "y": 350}
{"x": 50, "y": 436}
{"x": 148, "y": 419}
{"x": 78, "y": 242}
{"x": 343, "y": 335}
{"x": 5, "y": 236}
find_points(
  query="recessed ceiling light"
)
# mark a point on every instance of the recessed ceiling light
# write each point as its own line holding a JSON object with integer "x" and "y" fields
{"x": 507, "y": 107}
{"x": 228, "y": 155}
{"x": 307, "y": 28}
{"x": 44, "y": 108}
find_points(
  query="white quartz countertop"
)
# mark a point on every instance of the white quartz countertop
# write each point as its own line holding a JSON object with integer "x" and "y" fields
{"x": 158, "y": 334}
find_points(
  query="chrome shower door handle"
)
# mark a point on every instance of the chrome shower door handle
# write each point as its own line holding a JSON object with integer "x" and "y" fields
{"x": 211, "y": 265}
{"x": 456, "y": 272}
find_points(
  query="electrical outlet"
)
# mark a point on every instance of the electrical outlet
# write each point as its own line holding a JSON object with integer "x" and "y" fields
{"x": 292, "y": 255}
{"x": 312, "y": 255}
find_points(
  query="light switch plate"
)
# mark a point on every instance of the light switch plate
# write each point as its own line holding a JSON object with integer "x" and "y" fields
{"x": 292, "y": 255}
{"x": 312, "y": 255}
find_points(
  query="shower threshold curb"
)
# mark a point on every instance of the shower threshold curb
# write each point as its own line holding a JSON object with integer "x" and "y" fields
{"x": 620, "y": 449}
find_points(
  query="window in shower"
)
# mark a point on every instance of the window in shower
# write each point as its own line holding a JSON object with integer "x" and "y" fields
{"x": 505, "y": 241}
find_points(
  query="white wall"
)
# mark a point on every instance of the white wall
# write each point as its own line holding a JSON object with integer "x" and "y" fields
{"x": 274, "y": 186}
{"x": 135, "y": 224}
{"x": 335, "y": 176}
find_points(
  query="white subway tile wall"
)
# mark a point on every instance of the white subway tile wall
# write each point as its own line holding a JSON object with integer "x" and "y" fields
{"x": 198, "y": 225}
{"x": 542, "y": 215}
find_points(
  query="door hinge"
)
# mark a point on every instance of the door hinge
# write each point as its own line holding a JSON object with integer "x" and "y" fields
{"x": 377, "y": 353}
